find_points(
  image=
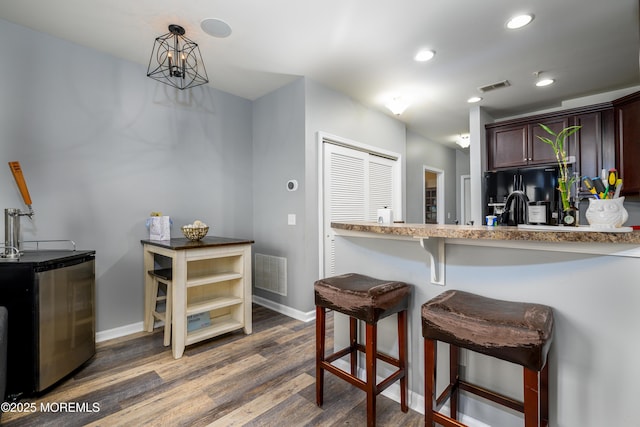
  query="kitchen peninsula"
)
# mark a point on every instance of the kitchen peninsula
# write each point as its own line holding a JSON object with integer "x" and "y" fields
{"x": 589, "y": 278}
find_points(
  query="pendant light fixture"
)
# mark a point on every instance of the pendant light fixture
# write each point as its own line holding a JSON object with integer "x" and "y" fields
{"x": 397, "y": 105}
{"x": 464, "y": 140}
{"x": 176, "y": 60}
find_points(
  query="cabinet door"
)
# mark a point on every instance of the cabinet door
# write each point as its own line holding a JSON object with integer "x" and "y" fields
{"x": 591, "y": 146}
{"x": 540, "y": 152}
{"x": 628, "y": 142}
{"x": 507, "y": 146}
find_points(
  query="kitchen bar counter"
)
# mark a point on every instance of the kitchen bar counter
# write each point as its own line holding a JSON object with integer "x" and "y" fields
{"x": 434, "y": 237}
{"x": 529, "y": 233}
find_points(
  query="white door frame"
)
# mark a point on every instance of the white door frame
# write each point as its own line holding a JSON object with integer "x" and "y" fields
{"x": 465, "y": 182}
{"x": 439, "y": 189}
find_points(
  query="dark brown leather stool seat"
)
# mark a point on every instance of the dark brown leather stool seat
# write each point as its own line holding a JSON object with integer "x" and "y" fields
{"x": 517, "y": 332}
{"x": 367, "y": 299}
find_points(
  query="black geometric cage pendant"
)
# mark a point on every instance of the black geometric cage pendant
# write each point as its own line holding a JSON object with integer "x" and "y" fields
{"x": 176, "y": 60}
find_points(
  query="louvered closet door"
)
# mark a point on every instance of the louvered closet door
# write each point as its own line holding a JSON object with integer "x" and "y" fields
{"x": 356, "y": 184}
{"x": 381, "y": 185}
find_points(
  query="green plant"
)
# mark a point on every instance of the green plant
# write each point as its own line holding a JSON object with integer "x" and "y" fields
{"x": 565, "y": 181}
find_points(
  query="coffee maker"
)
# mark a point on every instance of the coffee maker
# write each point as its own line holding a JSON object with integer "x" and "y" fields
{"x": 538, "y": 185}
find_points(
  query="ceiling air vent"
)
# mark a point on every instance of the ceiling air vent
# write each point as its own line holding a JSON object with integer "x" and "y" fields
{"x": 494, "y": 86}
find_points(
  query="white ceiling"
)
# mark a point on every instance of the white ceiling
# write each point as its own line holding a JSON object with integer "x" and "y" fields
{"x": 365, "y": 48}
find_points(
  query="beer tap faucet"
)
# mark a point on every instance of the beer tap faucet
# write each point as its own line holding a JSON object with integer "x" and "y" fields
{"x": 12, "y": 216}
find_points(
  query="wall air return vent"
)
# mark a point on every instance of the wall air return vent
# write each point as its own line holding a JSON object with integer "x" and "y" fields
{"x": 271, "y": 273}
{"x": 494, "y": 86}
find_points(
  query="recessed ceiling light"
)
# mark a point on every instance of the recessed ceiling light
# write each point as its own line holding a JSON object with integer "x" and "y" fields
{"x": 424, "y": 55}
{"x": 474, "y": 99}
{"x": 215, "y": 27}
{"x": 544, "y": 82}
{"x": 519, "y": 21}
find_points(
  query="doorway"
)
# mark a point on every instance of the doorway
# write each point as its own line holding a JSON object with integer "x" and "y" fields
{"x": 433, "y": 193}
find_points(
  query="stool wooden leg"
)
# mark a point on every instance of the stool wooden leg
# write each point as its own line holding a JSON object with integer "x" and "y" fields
{"x": 544, "y": 393}
{"x": 353, "y": 342}
{"x": 402, "y": 358}
{"x": 430, "y": 348}
{"x": 320, "y": 333}
{"x": 531, "y": 398}
{"x": 371, "y": 357}
{"x": 454, "y": 363}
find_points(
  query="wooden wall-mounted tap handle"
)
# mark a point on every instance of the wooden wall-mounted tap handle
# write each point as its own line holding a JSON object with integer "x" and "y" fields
{"x": 22, "y": 185}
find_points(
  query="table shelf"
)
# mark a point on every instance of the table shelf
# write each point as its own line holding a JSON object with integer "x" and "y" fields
{"x": 214, "y": 304}
{"x": 213, "y": 278}
{"x": 218, "y": 327}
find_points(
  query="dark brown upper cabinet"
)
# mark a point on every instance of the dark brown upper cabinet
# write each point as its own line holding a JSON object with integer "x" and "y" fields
{"x": 627, "y": 142}
{"x": 515, "y": 143}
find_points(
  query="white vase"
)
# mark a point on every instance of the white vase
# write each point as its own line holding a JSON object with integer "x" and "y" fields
{"x": 607, "y": 213}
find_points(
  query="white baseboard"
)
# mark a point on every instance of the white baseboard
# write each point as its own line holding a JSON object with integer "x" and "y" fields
{"x": 119, "y": 331}
{"x": 283, "y": 309}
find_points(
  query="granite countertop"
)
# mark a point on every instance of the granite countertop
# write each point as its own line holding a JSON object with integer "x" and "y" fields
{"x": 448, "y": 231}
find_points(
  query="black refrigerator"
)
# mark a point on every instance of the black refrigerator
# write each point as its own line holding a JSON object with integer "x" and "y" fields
{"x": 540, "y": 184}
{"x": 50, "y": 297}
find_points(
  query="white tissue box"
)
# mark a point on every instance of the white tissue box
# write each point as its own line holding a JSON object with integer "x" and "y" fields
{"x": 385, "y": 216}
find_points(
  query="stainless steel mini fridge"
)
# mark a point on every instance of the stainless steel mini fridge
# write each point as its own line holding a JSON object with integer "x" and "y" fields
{"x": 50, "y": 296}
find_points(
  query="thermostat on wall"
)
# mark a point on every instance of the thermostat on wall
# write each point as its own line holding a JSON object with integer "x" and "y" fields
{"x": 292, "y": 185}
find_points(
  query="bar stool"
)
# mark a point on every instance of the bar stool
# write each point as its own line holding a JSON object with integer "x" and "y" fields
{"x": 517, "y": 332}
{"x": 160, "y": 277}
{"x": 367, "y": 299}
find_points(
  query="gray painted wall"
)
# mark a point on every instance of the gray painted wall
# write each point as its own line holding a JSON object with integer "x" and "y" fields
{"x": 101, "y": 146}
{"x": 285, "y": 127}
{"x": 278, "y": 156}
{"x": 420, "y": 153}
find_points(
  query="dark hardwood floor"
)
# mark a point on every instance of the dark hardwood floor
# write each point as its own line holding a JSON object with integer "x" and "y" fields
{"x": 263, "y": 379}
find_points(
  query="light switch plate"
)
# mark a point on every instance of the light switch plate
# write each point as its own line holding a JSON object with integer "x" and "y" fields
{"x": 291, "y": 219}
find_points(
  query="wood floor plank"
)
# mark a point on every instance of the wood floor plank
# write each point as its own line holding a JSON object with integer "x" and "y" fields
{"x": 257, "y": 407}
{"x": 161, "y": 404}
{"x": 294, "y": 411}
{"x": 76, "y": 389}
